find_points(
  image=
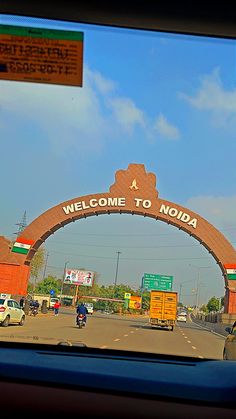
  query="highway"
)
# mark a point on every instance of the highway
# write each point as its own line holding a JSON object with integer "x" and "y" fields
{"x": 117, "y": 332}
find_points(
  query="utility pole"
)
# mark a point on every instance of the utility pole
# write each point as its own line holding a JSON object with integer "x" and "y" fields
{"x": 180, "y": 292}
{"x": 117, "y": 265}
{"x": 45, "y": 266}
{"x": 198, "y": 281}
{"x": 64, "y": 274}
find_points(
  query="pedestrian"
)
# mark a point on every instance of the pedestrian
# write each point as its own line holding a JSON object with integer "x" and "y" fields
{"x": 22, "y": 302}
{"x": 56, "y": 308}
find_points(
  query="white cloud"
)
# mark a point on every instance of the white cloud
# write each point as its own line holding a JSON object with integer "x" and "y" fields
{"x": 78, "y": 118}
{"x": 218, "y": 210}
{"x": 212, "y": 96}
{"x": 127, "y": 113}
{"x": 165, "y": 129}
{"x": 103, "y": 85}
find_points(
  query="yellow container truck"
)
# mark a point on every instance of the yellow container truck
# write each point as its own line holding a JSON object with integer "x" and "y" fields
{"x": 163, "y": 309}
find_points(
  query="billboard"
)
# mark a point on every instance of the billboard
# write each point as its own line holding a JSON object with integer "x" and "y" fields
{"x": 76, "y": 277}
{"x": 135, "y": 302}
{"x": 157, "y": 282}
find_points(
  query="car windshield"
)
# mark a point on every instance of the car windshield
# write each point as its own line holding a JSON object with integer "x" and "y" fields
{"x": 118, "y": 184}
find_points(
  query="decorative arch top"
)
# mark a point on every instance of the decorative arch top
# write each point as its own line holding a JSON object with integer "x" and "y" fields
{"x": 133, "y": 192}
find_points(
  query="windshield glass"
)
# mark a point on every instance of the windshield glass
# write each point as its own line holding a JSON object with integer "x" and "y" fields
{"x": 118, "y": 191}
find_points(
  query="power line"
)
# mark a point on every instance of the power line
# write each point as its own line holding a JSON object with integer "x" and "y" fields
{"x": 132, "y": 234}
{"x": 21, "y": 225}
{"x": 124, "y": 246}
{"x": 129, "y": 258}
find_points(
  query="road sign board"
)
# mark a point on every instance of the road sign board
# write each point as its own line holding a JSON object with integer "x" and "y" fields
{"x": 127, "y": 295}
{"x": 157, "y": 282}
{"x": 52, "y": 292}
{"x": 41, "y": 55}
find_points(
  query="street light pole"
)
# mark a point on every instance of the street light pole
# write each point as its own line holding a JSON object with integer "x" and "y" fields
{"x": 198, "y": 280}
{"x": 180, "y": 288}
{"x": 117, "y": 264}
{"x": 64, "y": 274}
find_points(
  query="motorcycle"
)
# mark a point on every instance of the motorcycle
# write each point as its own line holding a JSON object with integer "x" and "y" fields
{"x": 33, "y": 311}
{"x": 81, "y": 320}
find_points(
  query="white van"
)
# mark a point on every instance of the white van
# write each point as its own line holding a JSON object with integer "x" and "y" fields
{"x": 89, "y": 307}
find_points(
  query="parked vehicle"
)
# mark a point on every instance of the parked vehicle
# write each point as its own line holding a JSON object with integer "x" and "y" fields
{"x": 89, "y": 307}
{"x": 229, "y": 352}
{"x": 163, "y": 309}
{"x": 10, "y": 312}
{"x": 40, "y": 298}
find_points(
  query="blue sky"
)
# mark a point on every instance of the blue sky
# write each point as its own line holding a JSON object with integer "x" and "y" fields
{"x": 167, "y": 101}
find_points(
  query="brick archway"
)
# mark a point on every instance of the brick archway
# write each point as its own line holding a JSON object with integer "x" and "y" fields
{"x": 134, "y": 192}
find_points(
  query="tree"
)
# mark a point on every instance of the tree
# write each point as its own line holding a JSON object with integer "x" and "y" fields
{"x": 48, "y": 284}
{"x": 145, "y": 299}
{"x": 213, "y": 304}
{"x": 37, "y": 264}
{"x": 204, "y": 309}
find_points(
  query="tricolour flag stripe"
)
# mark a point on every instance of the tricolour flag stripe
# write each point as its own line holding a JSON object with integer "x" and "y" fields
{"x": 26, "y": 241}
{"x": 20, "y": 250}
{"x": 231, "y": 271}
{"x": 230, "y": 265}
{"x": 231, "y": 276}
{"x": 22, "y": 245}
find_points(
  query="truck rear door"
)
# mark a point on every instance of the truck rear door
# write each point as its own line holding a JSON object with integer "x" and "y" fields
{"x": 170, "y": 305}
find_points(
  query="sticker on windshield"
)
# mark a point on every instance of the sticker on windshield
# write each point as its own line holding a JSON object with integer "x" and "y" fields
{"x": 41, "y": 55}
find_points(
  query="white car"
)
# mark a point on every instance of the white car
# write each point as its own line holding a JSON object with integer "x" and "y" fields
{"x": 181, "y": 318}
{"x": 10, "y": 312}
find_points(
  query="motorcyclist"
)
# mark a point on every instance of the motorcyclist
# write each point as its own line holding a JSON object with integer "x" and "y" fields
{"x": 34, "y": 305}
{"x": 81, "y": 309}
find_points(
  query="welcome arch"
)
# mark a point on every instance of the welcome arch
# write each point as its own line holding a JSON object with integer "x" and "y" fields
{"x": 134, "y": 192}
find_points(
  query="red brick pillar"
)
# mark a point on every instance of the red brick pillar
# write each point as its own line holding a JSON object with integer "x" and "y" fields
{"x": 14, "y": 278}
{"x": 230, "y": 301}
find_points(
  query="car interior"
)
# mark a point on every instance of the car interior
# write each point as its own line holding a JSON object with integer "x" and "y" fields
{"x": 91, "y": 382}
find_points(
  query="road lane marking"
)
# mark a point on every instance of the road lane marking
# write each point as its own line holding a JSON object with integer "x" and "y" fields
{"x": 194, "y": 347}
{"x": 132, "y": 331}
{"x": 189, "y": 341}
{"x": 136, "y": 329}
{"x": 116, "y": 340}
{"x": 103, "y": 347}
{"x": 185, "y": 337}
{"x": 200, "y": 356}
{"x": 126, "y": 335}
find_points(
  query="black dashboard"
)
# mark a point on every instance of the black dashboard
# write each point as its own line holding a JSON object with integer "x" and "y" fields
{"x": 114, "y": 383}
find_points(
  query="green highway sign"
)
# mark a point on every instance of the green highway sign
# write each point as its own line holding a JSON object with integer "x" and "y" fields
{"x": 157, "y": 282}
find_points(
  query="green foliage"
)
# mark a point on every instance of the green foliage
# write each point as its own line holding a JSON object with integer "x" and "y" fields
{"x": 204, "y": 309}
{"x": 145, "y": 300}
{"x": 102, "y": 291}
{"x": 30, "y": 288}
{"x": 37, "y": 263}
{"x": 213, "y": 304}
{"x": 49, "y": 283}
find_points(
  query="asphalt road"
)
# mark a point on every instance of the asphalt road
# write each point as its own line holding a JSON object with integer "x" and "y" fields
{"x": 117, "y": 332}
